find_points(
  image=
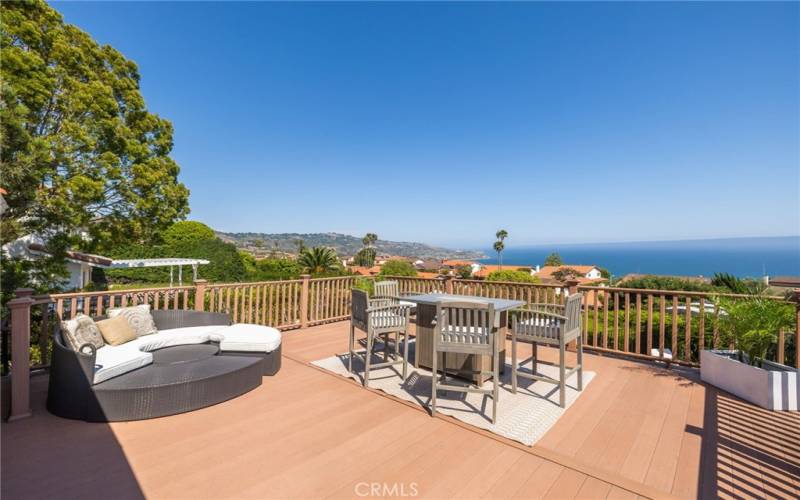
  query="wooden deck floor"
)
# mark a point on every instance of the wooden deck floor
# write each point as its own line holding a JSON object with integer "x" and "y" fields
{"x": 639, "y": 430}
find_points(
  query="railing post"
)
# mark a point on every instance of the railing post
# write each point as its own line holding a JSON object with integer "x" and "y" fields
{"x": 448, "y": 284}
{"x": 20, "y": 353}
{"x": 304, "y": 300}
{"x": 572, "y": 286}
{"x": 200, "y": 295}
{"x": 797, "y": 328}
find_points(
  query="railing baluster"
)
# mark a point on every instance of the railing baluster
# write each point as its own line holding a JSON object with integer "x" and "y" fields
{"x": 688, "y": 330}
{"x": 626, "y": 345}
{"x": 638, "y": 323}
{"x": 662, "y": 302}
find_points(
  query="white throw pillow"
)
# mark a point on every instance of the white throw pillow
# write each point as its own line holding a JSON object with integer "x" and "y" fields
{"x": 81, "y": 330}
{"x": 139, "y": 318}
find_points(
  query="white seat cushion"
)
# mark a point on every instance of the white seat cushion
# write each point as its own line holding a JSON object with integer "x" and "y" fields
{"x": 249, "y": 338}
{"x": 180, "y": 336}
{"x": 112, "y": 361}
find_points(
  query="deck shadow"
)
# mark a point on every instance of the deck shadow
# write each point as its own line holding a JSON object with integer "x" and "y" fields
{"x": 48, "y": 456}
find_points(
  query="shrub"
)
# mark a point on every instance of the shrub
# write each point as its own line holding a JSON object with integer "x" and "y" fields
{"x": 365, "y": 284}
{"x": 276, "y": 269}
{"x": 519, "y": 276}
{"x": 752, "y": 325}
{"x": 398, "y": 268}
{"x": 186, "y": 232}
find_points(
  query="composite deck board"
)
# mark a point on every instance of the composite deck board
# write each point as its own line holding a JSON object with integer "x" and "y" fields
{"x": 638, "y": 430}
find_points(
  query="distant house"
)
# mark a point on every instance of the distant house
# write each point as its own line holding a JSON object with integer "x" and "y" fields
{"x": 788, "y": 282}
{"x": 585, "y": 272}
{"x": 455, "y": 264}
{"x": 79, "y": 264}
{"x": 428, "y": 265}
{"x": 486, "y": 270}
{"x": 365, "y": 271}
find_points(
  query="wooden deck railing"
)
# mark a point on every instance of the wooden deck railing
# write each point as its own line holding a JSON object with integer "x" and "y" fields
{"x": 641, "y": 323}
{"x": 664, "y": 324}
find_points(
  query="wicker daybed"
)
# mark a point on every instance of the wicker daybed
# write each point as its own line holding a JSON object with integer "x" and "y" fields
{"x": 191, "y": 366}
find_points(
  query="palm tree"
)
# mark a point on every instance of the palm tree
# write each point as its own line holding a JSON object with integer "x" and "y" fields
{"x": 369, "y": 239}
{"x": 318, "y": 260}
{"x": 499, "y": 246}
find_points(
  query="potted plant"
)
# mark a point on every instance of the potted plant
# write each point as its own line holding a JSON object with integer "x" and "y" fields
{"x": 750, "y": 326}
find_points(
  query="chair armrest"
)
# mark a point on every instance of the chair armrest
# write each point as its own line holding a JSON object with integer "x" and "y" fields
{"x": 531, "y": 312}
{"x": 545, "y": 304}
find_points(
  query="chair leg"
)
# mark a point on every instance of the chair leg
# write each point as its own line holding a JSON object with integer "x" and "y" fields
{"x": 350, "y": 358}
{"x": 434, "y": 377}
{"x": 368, "y": 358}
{"x": 444, "y": 369}
{"x": 405, "y": 354}
{"x": 495, "y": 384}
{"x": 534, "y": 356}
{"x": 562, "y": 372}
{"x": 386, "y": 346}
{"x": 580, "y": 362}
{"x": 513, "y": 363}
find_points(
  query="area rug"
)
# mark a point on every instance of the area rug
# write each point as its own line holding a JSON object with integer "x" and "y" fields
{"x": 524, "y": 417}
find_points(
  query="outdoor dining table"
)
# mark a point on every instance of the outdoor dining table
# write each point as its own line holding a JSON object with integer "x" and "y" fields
{"x": 426, "y": 313}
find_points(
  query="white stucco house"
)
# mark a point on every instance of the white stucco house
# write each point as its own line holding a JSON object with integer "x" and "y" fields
{"x": 79, "y": 264}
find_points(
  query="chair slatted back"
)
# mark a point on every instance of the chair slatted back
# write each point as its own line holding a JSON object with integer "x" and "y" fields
{"x": 572, "y": 311}
{"x": 537, "y": 324}
{"x": 386, "y": 289}
{"x": 468, "y": 323}
{"x": 360, "y": 304}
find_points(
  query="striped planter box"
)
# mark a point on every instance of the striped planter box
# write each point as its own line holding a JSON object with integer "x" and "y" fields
{"x": 774, "y": 387}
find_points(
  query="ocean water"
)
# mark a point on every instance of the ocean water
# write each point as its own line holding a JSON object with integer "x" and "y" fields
{"x": 743, "y": 257}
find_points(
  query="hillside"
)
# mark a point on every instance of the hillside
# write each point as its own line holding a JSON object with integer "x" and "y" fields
{"x": 345, "y": 245}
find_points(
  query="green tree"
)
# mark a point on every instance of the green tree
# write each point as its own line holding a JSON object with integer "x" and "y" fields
{"x": 365, "y": 257}
{"x": 733, "y": 284}
{"x": 81, "y": 153}
{"x": 566, "y": 273}
{"x": 186, "y": 231}
{"x": 396, "y": 267}
{"x": 499, "y": 245}
{"x": 369, "y": 239}
{"x": 319, "y": 260}
{"x": 519, "y": 276}
{"x": 464, "y": 272}
{"x": 553, "y": 260}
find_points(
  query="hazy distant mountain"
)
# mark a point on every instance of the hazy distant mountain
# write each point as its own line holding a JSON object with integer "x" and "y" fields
{"x": 345, "y": 245}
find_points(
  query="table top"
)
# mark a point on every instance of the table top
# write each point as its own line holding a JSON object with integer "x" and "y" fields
{"x": 440, "y": 298}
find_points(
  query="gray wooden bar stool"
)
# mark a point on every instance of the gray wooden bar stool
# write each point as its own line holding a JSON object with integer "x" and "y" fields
{"x": 377, "y": 321}
{"x": 546, "y": 326}
{"x": 465, "y": 328}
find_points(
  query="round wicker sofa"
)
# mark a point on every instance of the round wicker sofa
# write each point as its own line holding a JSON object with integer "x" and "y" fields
{"x": 157, "y": 389}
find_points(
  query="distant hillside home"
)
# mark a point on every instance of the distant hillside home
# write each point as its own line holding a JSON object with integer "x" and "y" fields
{"x": 365, "y": 271}
{"x": 79, "y": 264}
{"x": 585, "y": 272}
{"x": 789, "y": 282}
{"x": 428, "y": 265}
{"x": 455, "y": 264}
{"x": 486, "y": 270}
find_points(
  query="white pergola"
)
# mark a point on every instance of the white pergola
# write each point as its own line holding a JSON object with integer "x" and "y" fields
{"x": 165, "y": 262}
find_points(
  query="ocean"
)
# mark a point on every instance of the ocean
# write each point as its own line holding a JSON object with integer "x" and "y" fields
{"x": 743, "y": 257}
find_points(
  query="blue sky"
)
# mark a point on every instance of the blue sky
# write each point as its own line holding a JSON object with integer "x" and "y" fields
{"x": 444, "y": 122}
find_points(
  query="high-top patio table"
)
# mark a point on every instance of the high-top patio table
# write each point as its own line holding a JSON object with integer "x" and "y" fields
{"x": 426, "y": 313}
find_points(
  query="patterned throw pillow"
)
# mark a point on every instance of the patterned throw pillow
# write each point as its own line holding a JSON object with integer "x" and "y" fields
{"x": 139, "y": 318}
{"x": 81, "y": 330}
